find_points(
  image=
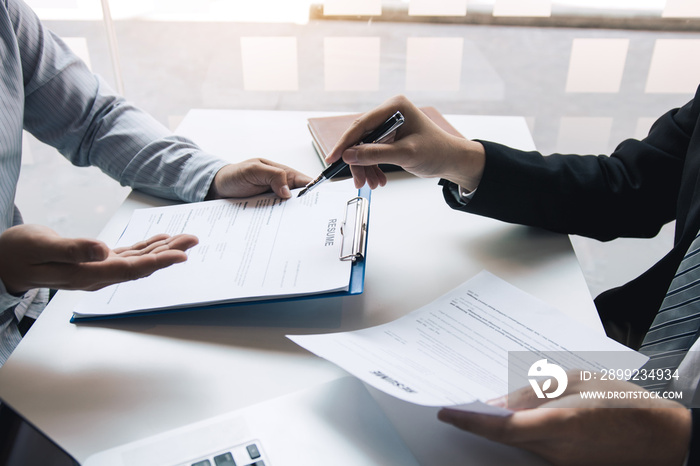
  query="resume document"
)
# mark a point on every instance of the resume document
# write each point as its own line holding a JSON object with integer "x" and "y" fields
{"x": 455, "y": 350}
{"x": 249, "y": 249}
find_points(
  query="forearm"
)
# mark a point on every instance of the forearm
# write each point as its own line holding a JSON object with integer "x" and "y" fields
{"x": 71, "y": 109}
{"x": 100, "y": 129}
{"x": 150, "y": 158}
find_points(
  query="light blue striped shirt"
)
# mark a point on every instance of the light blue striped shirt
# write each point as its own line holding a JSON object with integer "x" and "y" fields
{"x": 47, "y": 90}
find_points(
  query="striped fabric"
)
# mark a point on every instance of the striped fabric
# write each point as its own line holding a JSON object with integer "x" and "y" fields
{"x": 675, "y": 327}
{"x": 47, "y": 90}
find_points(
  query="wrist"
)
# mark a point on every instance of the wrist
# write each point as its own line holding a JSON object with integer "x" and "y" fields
{"x": 467, "y": 167}
{"x": 214, "y": 191}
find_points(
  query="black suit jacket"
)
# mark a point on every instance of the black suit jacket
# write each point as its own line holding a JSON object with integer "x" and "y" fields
{"x": 633, "y": 193}
{"x": 640, "y": 187}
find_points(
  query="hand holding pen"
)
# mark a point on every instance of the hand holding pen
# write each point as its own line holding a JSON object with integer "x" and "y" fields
{"x": 380, "y": 134}
{"x": 420, "y": 147}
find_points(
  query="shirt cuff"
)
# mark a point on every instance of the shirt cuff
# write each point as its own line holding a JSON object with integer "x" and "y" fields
{"x": 465, "y": 195}
{"x": 7, "y": 300}
{"x": 198, "y": 175}
{"x": 461, "y": 196}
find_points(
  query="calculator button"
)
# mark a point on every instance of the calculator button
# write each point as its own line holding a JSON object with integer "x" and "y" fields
{"x": 225, "y": 459}
{"x": 253, "y": 451}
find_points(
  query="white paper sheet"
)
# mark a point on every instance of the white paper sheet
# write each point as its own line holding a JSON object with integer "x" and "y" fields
{"x": 249, "y": 249}
{"x": 454, "y": 351}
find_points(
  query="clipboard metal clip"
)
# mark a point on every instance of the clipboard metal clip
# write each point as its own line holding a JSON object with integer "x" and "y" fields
{"x": 354, "y": 227}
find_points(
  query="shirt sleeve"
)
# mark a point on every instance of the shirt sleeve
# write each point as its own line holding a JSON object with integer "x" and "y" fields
{"x": 68, "y": 107}
{"x": 7, "y": 300}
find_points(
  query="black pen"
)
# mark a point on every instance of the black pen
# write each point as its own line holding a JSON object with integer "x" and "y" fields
{"x": 378, "y": 135}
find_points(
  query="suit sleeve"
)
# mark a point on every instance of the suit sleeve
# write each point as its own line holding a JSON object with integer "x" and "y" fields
{"x": 633, "y": 192}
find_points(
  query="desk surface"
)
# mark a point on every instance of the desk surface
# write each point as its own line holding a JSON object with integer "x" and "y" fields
{"x": 95, "y": 386}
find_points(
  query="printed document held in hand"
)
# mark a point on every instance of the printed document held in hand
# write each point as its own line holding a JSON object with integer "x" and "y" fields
{"x": 249, "y": 249}
{"x": 455, "y": 350}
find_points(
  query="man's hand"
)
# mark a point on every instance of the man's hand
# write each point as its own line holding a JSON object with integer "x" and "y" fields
{"x": 571, "y": 430}
{"x": 255, "y": 176}
{"x": 33, "y": 256}
{"x": 420, "y": 146}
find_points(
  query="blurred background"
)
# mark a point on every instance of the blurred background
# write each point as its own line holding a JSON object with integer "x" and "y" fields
{"x": 586, "y": 74}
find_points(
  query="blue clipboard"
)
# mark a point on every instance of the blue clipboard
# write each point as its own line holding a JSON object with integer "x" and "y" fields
{"x": 355, "y": 230}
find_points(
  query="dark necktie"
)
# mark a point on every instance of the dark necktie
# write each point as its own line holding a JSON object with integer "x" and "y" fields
{"x": 675, "y": 327}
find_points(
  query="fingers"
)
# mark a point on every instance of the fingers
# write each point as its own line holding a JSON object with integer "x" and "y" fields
{"x": 92, "y": 276}
{"x": 363, "y": 161}
{"x": 523, "y": 398}
{"x": 368, "y": 122}
{"x": 516, "y": 429}
{"x": 256, "y": 176}
{"x": 419, "y": 146}
{"x": 587, "y": 436}
{"x": 281, "y": 178}
{"x": 124, "y": 264}
{"x": 373, "y": 154}
{"x": 123, "y": 269}
{"x": 295, "y": 178}
{"x": 359, "y": 175}
{"x": 143, "y": 247}
{"x": 379, "y": 175}
{"x": 181, "y": 242}
{"x": 158, "y": 244}
{"x": 36, "y": 256}
{"x": 497, "y": 428}
{"x": 275, "y": 178}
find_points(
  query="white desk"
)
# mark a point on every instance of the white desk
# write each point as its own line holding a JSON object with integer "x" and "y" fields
{"x": 95, "y": 386}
